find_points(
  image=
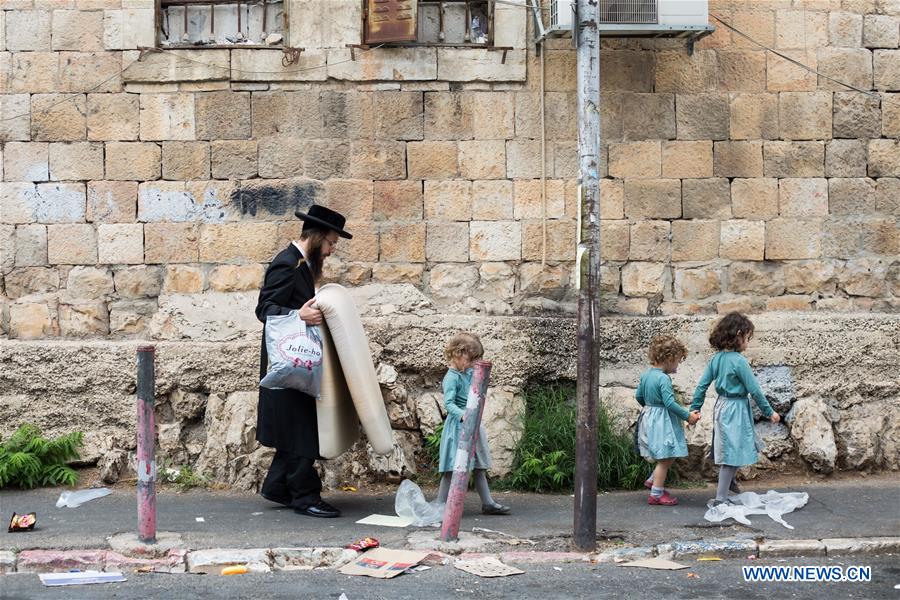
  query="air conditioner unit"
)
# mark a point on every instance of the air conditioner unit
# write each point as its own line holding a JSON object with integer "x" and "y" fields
{"x": 632, "y": 18}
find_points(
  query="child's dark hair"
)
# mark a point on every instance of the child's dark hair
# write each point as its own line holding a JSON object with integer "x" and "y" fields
{"x": 664, "y": 348}
{"x": 463, "y": 343}
{"x": 728, "y": 332}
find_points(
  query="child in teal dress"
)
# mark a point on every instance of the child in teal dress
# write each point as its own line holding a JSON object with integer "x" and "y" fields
{"x": 462, "y": 350}
{"x": 660, "y": 434}
{"x": 734, "y": 443}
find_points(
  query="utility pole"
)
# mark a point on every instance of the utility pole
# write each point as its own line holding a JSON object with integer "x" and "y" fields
{"x": 588, "y": 265}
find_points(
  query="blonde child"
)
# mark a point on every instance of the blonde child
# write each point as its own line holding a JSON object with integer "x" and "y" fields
{"x": 461, "y": 352}
{"x": 734, "y": 443}
{"x": 660, "y": 434}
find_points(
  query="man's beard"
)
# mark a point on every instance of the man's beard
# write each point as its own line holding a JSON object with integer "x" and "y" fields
{"x": 316, "y": 261}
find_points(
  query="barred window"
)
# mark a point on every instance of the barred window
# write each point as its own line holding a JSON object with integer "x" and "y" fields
{"x": 216, "y": 23}
{"x": 429, "y": 22}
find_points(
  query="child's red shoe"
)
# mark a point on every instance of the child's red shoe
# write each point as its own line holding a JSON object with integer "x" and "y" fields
{"x": 664, "y": 500}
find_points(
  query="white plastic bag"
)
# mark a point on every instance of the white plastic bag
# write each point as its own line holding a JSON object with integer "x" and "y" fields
{"x": 76, "y": 499}
{"x": 295, "y": 354}
{"x": 410, "y": 503}
{"x": 772, "y": 503}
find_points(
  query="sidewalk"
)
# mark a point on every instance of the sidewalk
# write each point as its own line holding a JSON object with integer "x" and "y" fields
{"x": 857, "y": 508}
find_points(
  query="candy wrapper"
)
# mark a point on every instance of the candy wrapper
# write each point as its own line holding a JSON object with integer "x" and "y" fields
{"x": 364, "y": 544}
{"x": 22, "y": 522}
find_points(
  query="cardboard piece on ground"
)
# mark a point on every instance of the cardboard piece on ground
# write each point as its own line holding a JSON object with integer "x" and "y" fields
{"x": 80, "y": 578}
{"x": 383, "y": 563}
{"x": 487, "y": 566}
{"x": 655, "y": 563}
{"x": 385, "y": 521}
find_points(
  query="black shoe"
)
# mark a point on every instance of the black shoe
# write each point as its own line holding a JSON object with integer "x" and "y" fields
{"x": 494, "y": 509}
{"x": 276, "y": 499}
{"x": 319, "y": 509}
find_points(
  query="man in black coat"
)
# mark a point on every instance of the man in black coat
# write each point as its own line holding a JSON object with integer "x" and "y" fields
{"x": 286, "y": 419}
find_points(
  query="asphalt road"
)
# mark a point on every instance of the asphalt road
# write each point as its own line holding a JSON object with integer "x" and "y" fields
{"x": 714, "y": 580}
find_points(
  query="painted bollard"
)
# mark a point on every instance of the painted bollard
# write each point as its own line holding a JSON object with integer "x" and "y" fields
{"x": 146, "y": 444}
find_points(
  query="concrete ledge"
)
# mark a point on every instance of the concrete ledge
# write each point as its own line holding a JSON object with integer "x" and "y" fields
{"x": 780, "y": 548}
{"x": 837, "y": 546}
{"x": 212, "y": 561}
{"x": 733, "y": 548}
{"x": 7, "y": 562}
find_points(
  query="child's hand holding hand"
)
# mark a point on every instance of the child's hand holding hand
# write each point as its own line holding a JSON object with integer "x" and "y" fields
{"x": 775, "y": 418}
{"x": 693, "y": 417}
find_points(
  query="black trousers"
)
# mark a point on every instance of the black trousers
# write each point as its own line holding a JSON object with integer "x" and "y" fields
{"x": 293, "y": 478}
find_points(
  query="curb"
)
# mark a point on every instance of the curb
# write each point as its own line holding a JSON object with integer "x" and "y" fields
{"x": 264, "y": 560}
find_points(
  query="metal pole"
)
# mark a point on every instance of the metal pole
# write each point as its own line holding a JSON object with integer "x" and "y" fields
{"x": 588, "y": 382}
{"x": 146, "y": 444}
{"x": 465, "y": 450}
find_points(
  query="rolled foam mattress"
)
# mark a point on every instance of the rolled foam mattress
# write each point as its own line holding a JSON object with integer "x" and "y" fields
{"x": 350, "y": 393}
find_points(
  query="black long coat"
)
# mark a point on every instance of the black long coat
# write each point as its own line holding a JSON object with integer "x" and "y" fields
{"x": 286, "y": 419}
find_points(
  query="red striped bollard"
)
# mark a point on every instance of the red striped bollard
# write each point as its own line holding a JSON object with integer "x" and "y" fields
{"x": 146, "y": 444}
{"x": 464, "y": 452}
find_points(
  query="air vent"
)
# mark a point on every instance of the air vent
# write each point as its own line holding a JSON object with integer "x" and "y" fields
{"x": 628, "y": 11}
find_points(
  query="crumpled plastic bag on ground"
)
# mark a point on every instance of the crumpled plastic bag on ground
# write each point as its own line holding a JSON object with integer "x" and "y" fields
{"x": 76, "y": 499}
{"x": 772, "y": 503}
{"x": 410, "y": 503}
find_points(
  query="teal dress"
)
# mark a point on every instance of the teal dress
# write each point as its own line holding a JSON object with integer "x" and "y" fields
{"x": 456, "y": 393}
{"x": 734, "y": 438}
{"x": 660, "y": 433}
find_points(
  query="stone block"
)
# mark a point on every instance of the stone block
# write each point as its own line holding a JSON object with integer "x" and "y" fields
{"x": 615, "y": 240}
{"x": 76, "y": 161}
{"x": 183, "y": 161}
{"x": 845, "y": 29}
{"x": 222, "y": 115}
{"x": 120, "y": 243}
{"x": 179, "y": 66}
{"x": 738, "y": 159}
{"x": 523, "y": 159}
{"x": 884, "y": 158}
{"x": 792, "y": 239}
{"x": 703, "y": 116}
{"x": 133, "y": 161}
{"x": 89, "y": 72}
{"x": 167, "y": 117}
{"x": 27, "y": 281}
{"x": 742, "y": 70}
{"x": 171, "y": 243}
{"x": 295, "y": 114}
{"x": 754, "y": 198}
{"x": 468, "y": 65}
{"x": 111, "y": 201}
{"x": 363, "y": 246}
{"x": 612, "y": 199}
{"x": 30, "y": 72}
{"x": 384, "y": 64}
{"x": 449, "y": 200}
{"x": 706, "y": 198}
{"x": 863, "y": 277}
{"x": 846, "y": 158}
{"x": 854, "y": 196}
{"x": 238, "y": 242}
{"x": 26, "y": 161}
{"x": 675, "y": 72}
{"x": 535, "y": 278}
{"x": 841, "y": 238}
{"x": 481, "y": 159}
{"x": 399, "y": 115}
{"x": 803, "y": 197}
{"x": 800, "y": 29}
{"x": 432, "y": 160}
{"x": 696, "y": 284}
{"x": 113, "y": 117}
{"x": 805, "y": 115}
{"x": 560, "y": 122}
{"x": 560, "y": 240}
{"x": 782, "y": 75}
{"x": 492, "y": 200}
{"x": 887, "y": 70}
{"x": 881, "y": 237}
{"x": 743, "y": 240}
{"x": 130, "y": 317}
{"x": 350, "y": 197}
{"x": 890, "y": 118}
{"x": 71, "y": 244}
{"x": 236, "y": 278}
{"x": 58, "y": 117}
{"x": 751, "y": 116}
{"x": 398, "y": 200}
{"x": 83, "y": 319}
{"x": 453, "y": 281}
{"x": 232, "y": 159}
{"x": 138, "y": 282}
{"x": 77, "y": 30}
{"x": 687, "y": 159}
{"x": 495, "y": 240}
{"x": 856, "y": 115}
{"x": 30, "y": 248}
{"x": 634, "y": 160}
{"x": 447, "y": 242}
{"x": 399, "y": 273}
{"x": 741, "y": 305}
{"x": 814, "y": 277}
{"x": 527, "y": 199}
{"x": 649, "y": 116}
{"x": 259, "y": 64}
{"x": 653, "y": 198}
{"x": 695, "y": 240}
{"x": 376, "y": 160}
{"x": 757, "y": 22}
{"x": 881, "y": 31}
{"x": 649, "y": 240}
{"x": 794, "y": 159}
{"x": 402, "y": 242}
{"x": 89, "y": 282}
{"x": 183, "y": 279}
{"x": 29, "y": 321}
{"x": 15, "y": 117}
{"x": 852, "y": 66}
{"x": 59, "y": 203}
{"x": 887, "y": 196}
{"x": 755, "y": 278}
{"x": 28, "y": 30}
{"x": 645, "y": 279}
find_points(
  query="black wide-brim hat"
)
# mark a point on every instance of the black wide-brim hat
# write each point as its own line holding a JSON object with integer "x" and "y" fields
{"x": 320, "y": 216}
